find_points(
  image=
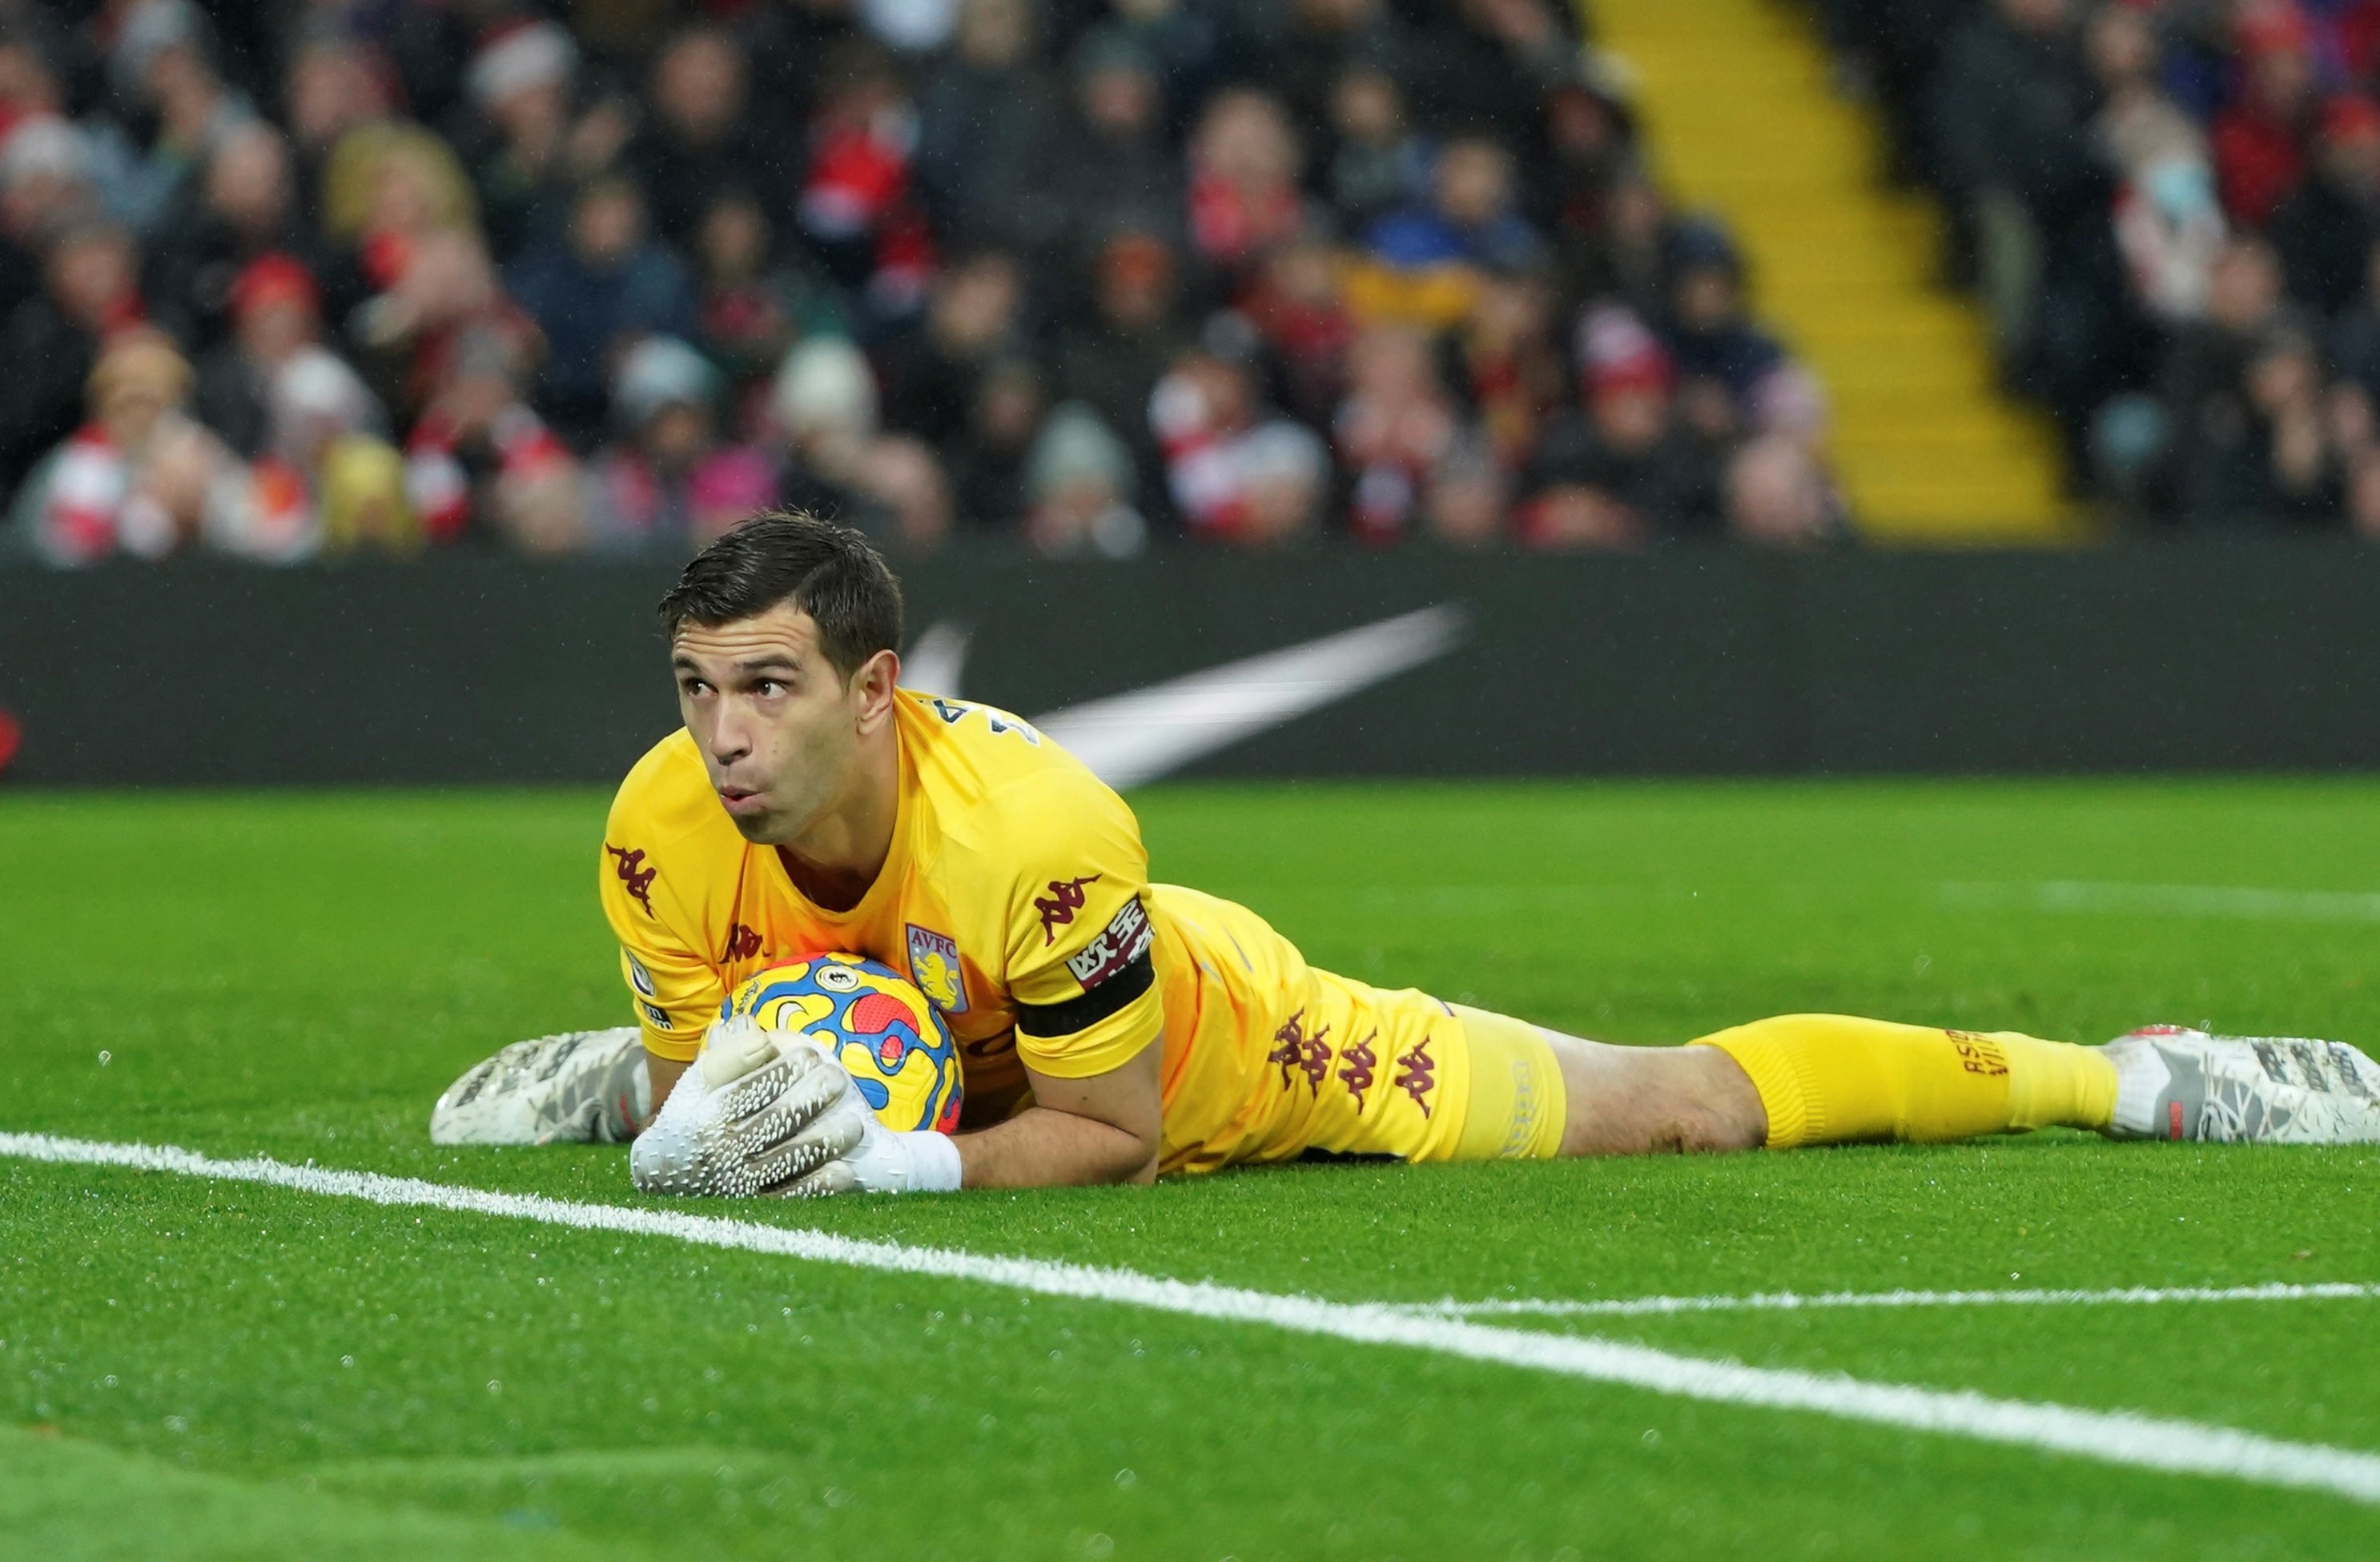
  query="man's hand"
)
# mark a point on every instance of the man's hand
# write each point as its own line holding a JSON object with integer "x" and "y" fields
{"x": 885, "y": 1161}
{"x": 576, "y": 1088}
{"x": 755, "y": 1114}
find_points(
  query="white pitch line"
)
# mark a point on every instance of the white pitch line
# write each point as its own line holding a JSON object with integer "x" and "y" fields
{"x": 2209, "y": 900}
{"x": 1795, "y": 1302}
{"x": 2111, "y": 1436}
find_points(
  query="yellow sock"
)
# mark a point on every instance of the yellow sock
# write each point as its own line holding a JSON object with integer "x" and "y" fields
{"x": 1831, "y": 1079}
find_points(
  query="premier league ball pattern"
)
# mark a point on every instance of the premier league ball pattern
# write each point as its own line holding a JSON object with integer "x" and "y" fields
{"x": 872, "y": 1022}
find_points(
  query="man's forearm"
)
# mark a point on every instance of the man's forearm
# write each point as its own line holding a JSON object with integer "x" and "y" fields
{"x": 1042, "y": 1148}
{"x": 662, "y": 1074}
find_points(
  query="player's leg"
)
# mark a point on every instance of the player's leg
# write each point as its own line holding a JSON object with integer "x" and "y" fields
{"x": 1795, "y": 1080}
{"x": 1835, "y": 1079}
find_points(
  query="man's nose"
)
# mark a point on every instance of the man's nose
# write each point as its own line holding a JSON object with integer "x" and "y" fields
{"x": 731, "y": 737}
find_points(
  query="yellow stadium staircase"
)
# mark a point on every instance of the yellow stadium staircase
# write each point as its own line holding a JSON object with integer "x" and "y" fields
{"x": 1742, "y": 121}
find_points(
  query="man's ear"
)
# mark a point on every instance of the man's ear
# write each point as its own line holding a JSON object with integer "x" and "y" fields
{"x": 873, "y": 688}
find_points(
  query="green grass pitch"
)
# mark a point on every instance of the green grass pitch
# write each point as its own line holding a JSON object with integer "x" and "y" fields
{"x": 213, "y": 1369}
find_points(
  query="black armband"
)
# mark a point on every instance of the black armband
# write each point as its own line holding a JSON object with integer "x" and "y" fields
{"x": 1110, "y": 996}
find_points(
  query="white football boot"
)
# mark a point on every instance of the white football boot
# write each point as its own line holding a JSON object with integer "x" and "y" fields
{"x": 2176, "y": 1083}
{"x": 575, "y": 1088}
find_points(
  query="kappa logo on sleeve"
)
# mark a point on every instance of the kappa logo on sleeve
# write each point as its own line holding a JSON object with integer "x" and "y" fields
{"x": 1123, "y": 941}
{"x": 1059, "y": 906}
{"x": 635, "y": 874}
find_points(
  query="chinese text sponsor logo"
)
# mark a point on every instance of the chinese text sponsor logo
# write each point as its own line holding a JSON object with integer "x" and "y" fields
{"x": 743, "y": 943}
{"x": 1298, "y": 1053}
{"x": 1124, "y": 939}
{"x": 1059, "y": 906}
{"x": 1418, "y": 1074}
{"x": 934, "y": 966}
{"x": 635, "y": 874}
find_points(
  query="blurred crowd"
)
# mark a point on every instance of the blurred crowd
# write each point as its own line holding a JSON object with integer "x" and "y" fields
{"x": 304, "y": 277}
{"x": 2171, "y": 209}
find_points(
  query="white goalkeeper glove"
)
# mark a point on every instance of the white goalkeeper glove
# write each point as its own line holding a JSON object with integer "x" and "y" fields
{"x": 575, "y": 1088}
{"x": 765, "y": 1113}
{"x": 886, "y": 1161}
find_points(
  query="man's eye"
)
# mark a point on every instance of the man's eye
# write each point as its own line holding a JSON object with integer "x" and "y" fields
{"x": 769, "y": 688}
{"x": 695, "y": 687}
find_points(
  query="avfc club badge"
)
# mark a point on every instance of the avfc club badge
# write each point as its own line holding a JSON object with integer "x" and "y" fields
{"x": 934, "y": 966}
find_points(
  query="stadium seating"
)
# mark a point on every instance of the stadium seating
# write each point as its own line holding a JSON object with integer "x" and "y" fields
{"x": 410, "y": 277}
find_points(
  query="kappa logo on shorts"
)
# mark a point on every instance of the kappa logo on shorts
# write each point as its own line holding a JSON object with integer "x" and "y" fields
{"x": 1297, "y": 1052}
{"x": 635, "y": 874}
{"x": 743, "y": 943}
{"x": 1418, "y": 1074}
{"x": 1124, "y": 939}
{"x": 638, "y": 977}
{"x": 934, "y": 966}
{"x": 1058, "y": 907}
{"x": 1356, "y": 1064}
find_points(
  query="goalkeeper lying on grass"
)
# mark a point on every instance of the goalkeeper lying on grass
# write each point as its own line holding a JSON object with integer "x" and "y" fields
{"x": 1111, "y": 1029}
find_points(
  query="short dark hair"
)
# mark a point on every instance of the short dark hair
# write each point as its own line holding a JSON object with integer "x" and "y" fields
{"x": 829, "y": 572}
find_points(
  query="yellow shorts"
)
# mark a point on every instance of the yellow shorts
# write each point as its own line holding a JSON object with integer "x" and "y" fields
{"x": 1269, "y": 1060}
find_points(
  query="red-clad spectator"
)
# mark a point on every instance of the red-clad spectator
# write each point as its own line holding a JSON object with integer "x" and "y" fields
{"x": 2323, "y": 230}
{"x": 1298, "y": 306}
{"x": 1393, "y": 430}
{"x": 1245, "y": 163}
{"x": 51, "y": 342}
{"x": 444, "y": 315}
{"x": 276, "y": 312}
{"x": 1237, "y": 474}
{"x": 143, "y": 478}
{"x": 242, "y": 208}
{"x": 1510, "y": 366}
{"x": 1626, "y": 471}
{"x": 856, "y": 202}
{"x": 2260, "y": 139}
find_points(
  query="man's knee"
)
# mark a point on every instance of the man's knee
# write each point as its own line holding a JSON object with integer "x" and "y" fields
{"x": 1656, "y": 1101}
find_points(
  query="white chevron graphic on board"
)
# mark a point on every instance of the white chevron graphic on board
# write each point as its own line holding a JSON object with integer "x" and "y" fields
{"x": 1142, "y": 734}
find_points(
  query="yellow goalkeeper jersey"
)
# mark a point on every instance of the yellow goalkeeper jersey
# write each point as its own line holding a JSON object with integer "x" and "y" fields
{"x": 1016, "y": 897}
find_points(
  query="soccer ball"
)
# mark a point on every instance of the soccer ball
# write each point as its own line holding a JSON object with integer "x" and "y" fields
{"x": 867, "y": 1017}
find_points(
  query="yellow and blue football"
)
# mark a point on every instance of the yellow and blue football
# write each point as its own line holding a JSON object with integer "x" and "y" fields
{"x": 869, "y": 1019}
